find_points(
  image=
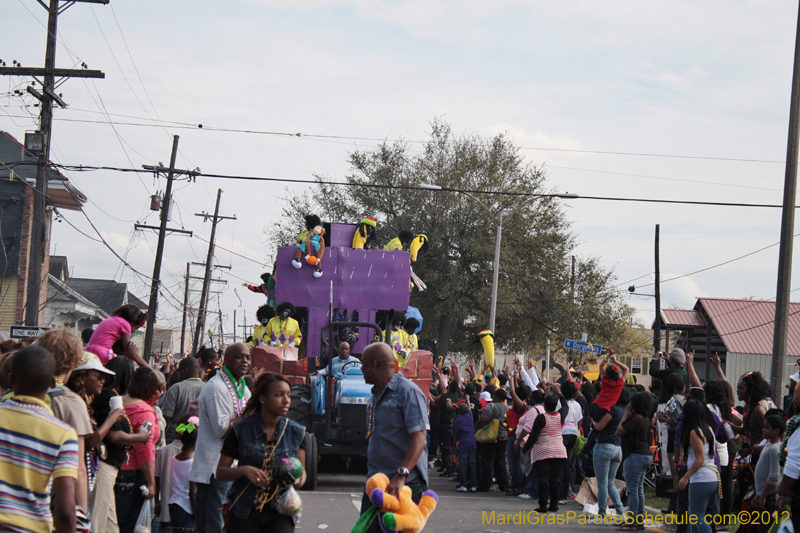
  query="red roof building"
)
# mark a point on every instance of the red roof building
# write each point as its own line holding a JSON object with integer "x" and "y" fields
{"x": 740, "y": 331}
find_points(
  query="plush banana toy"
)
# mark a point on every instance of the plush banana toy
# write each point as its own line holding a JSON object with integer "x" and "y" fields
{"x": 418, "y": 244}
{"x": 365, "y": 234}
{"x": 486, "y": 338}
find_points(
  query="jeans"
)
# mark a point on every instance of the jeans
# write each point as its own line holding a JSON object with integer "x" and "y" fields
{"x": 549, "y": 473}
{"x": 417, "y": 488}
{"x": 208, "y": 500}
{"x": 129, "y": 498}
{"x": 699, "y": 496}
{"x": 607, "y": 458}
{"x": 492, "y": 464}
{"x": 635, "y": 468}
{"x": 532, "y": 484}
{"x": 517, "y": 479}
{"x": 467, "y": 469}
{"x": 568, "y": 471}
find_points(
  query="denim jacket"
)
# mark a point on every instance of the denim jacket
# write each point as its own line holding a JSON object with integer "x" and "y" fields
{"x": 252, "y": 444}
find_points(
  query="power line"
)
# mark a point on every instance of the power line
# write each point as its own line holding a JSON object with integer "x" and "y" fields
{"x": 716, "y": 183}
{"x": 86, "y": 168}
{"x": 195, "y": 126}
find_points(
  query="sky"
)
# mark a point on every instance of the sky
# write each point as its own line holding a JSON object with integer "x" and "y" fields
{"x": 706, "y": 81}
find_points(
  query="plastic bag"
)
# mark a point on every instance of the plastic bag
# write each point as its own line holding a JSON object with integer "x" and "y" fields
{"x": 145, "y": 520}
{"x": 288, "y": 503}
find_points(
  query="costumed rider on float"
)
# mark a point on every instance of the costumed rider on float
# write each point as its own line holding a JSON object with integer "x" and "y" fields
{"x": 260, "y": 336}
{"x": 283, "y": 330}
{"x": 401, "y": 242}
{"x": 397, "y": 337}
{"x": 267, "y": 288}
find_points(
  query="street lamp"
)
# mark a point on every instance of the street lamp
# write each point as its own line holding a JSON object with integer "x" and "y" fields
{"x": 498, "y": 220}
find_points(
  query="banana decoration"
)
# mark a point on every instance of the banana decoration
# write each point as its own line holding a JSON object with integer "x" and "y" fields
{"x": 365, "y": 233}
{"x": 486, "y": 338}
{"x": 418, "y": 244}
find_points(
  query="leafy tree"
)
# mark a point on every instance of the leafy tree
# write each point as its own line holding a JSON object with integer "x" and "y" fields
{"x": 535, "y": 296}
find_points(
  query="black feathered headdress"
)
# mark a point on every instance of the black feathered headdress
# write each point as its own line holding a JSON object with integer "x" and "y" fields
{"x": 283, "y": 306}
{"x": 265, "y": 312}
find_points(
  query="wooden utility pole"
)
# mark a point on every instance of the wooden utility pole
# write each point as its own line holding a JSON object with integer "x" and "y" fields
{"x": 779, "y": 339}
{"x": 657, "y": 323}
{"x": 185, "y": 310}
{"x": 40, "y": 146}
{"x": 152, "y": 306}
{"x": 201, "y": 313}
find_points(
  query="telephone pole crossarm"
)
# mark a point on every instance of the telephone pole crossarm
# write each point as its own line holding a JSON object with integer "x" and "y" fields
{"x": 173, "y": 230}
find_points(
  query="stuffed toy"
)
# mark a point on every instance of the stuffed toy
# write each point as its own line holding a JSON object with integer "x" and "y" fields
{"x": 397, "y": 337}
{"x": 401, "y": 513}
{"x": 283, "y": 330}
{"x": 401, "y": 242}
{"x": 312, "y": 221}
{"x": 411, "y": 326}
{"x": 418, "y": 244}
{"x": 264, "y": 314}
{"x": 365, "y": 235}
{"x": 267, "y": 287}
{"x": 314, "y": 244}
{"x": 486, "y": 338}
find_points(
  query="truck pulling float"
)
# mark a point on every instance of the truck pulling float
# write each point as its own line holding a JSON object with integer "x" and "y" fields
{"x": 353, "y": 300}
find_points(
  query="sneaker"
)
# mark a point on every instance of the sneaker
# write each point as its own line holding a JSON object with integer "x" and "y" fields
{"x": 524, "y": 496}
{"x": 562, "y": 502}
{"x": 512, "y": 492}
{"x": 318, "y": 273}
{"x": 461, "y": 488}
{"x": 296, "y": 263}
{"x": 541, "y": 510}
{"x": 473, "y": 489}
{"x": 448, "y": 472}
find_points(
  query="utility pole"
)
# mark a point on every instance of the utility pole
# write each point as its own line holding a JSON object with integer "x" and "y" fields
{"x": 787, "y": 232}
{"x": 657, "y": 323}
{"x": 185, "y": 309}
{"x": 234, "y": 325}
{"x": 221, "y": 332}
{"x": 496, "y": 271}
{"x": 201, "y": 313}
{"x": 152, "y": 306}
{"x": 38, "y": 143}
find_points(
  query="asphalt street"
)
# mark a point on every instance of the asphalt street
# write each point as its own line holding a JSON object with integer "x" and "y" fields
{"x": 334, "y": 507}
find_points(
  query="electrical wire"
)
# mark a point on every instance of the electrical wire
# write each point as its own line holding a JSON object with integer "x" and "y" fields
{"x": 313, "y": 136}
{"x": 87, "y": 168}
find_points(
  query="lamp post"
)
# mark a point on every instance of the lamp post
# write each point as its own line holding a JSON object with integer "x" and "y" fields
{"x": 498, "y": 220}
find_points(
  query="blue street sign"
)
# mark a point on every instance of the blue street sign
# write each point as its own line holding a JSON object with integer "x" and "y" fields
{"x": 583, "y": 346}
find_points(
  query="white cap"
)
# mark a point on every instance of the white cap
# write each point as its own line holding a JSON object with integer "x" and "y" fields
{"x": 92, "y": 362}
{"x": 486, "y": 396}
{"x": 795, "y": 376}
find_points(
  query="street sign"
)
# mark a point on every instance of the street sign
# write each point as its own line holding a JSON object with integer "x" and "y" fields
{"x": 583, "y": 346}
{"x": 25, "y": 332}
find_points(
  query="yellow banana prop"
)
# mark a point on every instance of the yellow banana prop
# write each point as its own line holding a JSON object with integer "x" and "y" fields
{"x": 487, "y": 341}
{"x": 418, "y": 244}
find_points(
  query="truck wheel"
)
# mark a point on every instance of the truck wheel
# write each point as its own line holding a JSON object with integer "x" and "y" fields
{"x": 312, "y": 463}
{"x": 302, "y": 407}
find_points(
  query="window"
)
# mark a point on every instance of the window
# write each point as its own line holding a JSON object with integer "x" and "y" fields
{"x": 636, "y": 365}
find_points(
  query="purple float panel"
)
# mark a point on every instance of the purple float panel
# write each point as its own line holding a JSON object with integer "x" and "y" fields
{"x": 341, "y": 235}
{"x": 367, "y": 280}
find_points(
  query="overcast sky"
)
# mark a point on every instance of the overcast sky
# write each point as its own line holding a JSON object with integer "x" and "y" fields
{"x": 704, "y": 79}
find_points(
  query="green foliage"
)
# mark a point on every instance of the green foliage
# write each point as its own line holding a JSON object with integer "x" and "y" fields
{"x": 534, "y": 296}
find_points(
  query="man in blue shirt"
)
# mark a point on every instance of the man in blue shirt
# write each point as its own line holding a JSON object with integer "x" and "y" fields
{"x": 397, "y": 424}
{"x": 339, "y": 362}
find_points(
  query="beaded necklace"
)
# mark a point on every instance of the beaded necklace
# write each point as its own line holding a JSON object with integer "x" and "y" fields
{"x": 373, "y": 402}
{"x": 236, "y": 396}
{"x": 92, "y": 456}
{"x": 25, "y": 405}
